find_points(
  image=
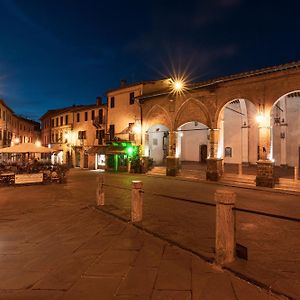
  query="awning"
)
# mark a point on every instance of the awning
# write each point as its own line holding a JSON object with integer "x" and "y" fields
{"x": 115, "y": 149}
{"x": 26, "y": 148}
{"x": 97, "y": 150}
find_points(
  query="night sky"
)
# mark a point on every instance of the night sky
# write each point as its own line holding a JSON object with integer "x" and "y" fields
{"x": 57, "y": 53}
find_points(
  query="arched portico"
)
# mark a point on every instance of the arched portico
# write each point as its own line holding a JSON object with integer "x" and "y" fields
{"x": 252, "y": 95}
{"x": 285, "y": 134}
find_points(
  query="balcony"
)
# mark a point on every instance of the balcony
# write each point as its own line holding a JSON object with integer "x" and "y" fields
{"x": 99, "y": 122}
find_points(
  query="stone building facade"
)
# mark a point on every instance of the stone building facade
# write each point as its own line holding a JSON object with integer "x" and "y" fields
{"x": 249, "y": 118}
{"x": 233, "y": 117}
{"x": 76, "y": 134}
{"x": 15, "y": 129}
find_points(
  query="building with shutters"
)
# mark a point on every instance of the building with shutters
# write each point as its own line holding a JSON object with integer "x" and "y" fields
{"x": 77, "y": 134}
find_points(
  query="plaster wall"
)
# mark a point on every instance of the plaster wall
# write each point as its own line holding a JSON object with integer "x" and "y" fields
{"x": 156, "y": 147}
{"x": 192, "y": 140}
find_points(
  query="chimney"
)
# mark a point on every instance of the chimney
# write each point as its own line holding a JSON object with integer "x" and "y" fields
{"x": 98, "y": 101}
{"x": 123, "y": 82}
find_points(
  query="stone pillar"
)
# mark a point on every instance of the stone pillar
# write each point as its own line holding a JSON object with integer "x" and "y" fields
{"x": 225, "y": 226}
{"x": 245, "y": 144}
{"x": 146, "y": 145}
{"x": 172, "y": 143}
{"x": 100, "y": 191}
{"x": 296, "y": 173}
{"x": 240, "y": 169}
{"x": 283, "y": 133}
{"x": 214, "y": 163}
{"x": 172, "y": 160}
{"x": 136, "y": 201}
{"x": 265, "y": 166}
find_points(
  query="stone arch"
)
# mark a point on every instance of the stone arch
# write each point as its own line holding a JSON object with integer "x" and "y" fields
{"x": 284, "y": 95}
{"x": 273, "y": 98}
{"x": 157, "y": 115}
{"x": 220, "y": 109}
{"x": 285, "y": 128}
{"x": 192, "y": 110}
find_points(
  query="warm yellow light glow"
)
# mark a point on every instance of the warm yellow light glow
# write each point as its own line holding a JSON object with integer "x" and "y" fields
{"x": 38, "y": 143}
{"x": 137, "y": 129}
{"x": 17, "y": 141}
{"x": 260, "y": 118}
{"x": 178, "y": 85}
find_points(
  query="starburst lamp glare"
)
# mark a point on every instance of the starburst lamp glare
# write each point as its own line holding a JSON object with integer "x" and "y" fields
{"x": 260, "y": 118}
{"x": 178, "y": 85}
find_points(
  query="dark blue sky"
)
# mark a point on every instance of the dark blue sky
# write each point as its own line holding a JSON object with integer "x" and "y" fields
{"x": 62, "y": 52}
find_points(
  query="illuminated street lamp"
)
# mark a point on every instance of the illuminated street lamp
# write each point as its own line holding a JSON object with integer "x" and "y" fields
{"x": 177, "y": 85}
{"x": 137, "y": 128}
{"x": 38, "y": 143}
{"x": 260, "y": 118}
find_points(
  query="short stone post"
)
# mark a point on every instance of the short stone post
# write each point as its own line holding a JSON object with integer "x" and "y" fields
{"x": 225, "y": 226}
{"x": 240, "y": 169}
{"x": 296, "y": 173}
{"x": 100, "y": 191}
{"x": 136, "y": 201}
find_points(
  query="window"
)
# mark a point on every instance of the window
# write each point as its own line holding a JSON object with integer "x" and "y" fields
{"x": 228, "y": 152}
{"x": 56, "y": 137}
{"x": 0, "y": 113}
{"x": 61, "y": 121}
{"x": 81, "y": 135}
{"x": 112, "y": 102}
{"x": 52, "y": 123}
{"x": 78, "y": 117}
{"x": 4, "y": 116}
{"x": 111, "y": 132}
{"x": 93, "y": 115}
{"x": 56, "y": 122}
{"x": 0, "y": 134}
{"x": 100, "y": 134}
{"x": 130, "y": 129}
{"x": 131, "y": 98}
{"x": 66, "y": 119}
{"x": 101, "y": 116}
{"x": 85, "y": 116}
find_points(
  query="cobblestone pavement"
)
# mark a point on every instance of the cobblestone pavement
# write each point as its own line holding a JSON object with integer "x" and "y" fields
{"x": 54, "y": 244}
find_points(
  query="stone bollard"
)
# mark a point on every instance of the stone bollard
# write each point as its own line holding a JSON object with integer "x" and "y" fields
{"x": 100, "y": 191}
{"x": 225, "y": 226}
{"x": 136, "y": 201}
{"x": 296, "y": 173}
{"x": 240, "y": 169}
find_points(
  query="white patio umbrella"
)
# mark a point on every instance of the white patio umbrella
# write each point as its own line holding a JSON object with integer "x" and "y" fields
{"x": 26, "y": 148}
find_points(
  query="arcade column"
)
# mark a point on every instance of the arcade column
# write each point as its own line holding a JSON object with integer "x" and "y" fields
{"x": 265, "y": 165}
{"x": 172, "y": 161}
{"x": 214, "y": 161}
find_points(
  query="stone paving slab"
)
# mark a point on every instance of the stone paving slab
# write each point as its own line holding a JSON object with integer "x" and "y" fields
{"x": 91, "y": 255}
